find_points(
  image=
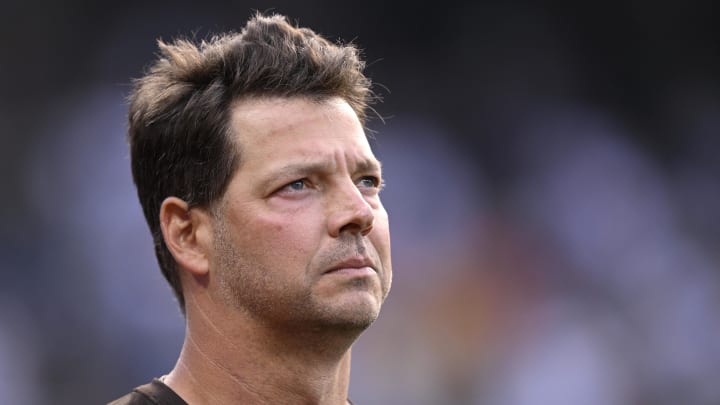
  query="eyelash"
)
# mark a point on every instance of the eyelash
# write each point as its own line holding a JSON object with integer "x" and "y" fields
{"x": 304, "y": 182}
{"x": 376, "y": 183}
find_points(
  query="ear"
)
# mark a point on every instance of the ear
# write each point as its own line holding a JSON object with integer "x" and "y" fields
{"x": 187, "y": 235}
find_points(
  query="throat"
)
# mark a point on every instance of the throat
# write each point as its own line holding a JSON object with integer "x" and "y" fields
{"x": 209, "y": 375}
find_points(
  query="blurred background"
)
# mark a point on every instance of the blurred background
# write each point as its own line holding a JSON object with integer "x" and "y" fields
{"x": 553, "y": 186}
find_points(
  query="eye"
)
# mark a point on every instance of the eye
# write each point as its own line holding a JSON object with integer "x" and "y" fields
{"x": 296, "y": 185}
{"x": 369, "y": 182}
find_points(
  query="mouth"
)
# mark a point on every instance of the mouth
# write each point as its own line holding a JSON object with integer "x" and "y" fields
{"x": 357, "y": 267}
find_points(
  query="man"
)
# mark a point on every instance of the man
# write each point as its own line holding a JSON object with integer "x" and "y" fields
{"x": 261, "y": 192}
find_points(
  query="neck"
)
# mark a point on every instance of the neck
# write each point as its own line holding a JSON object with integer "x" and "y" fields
{"x": 240, "y": 361}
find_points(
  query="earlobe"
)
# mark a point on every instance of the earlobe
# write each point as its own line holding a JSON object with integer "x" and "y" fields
{"x": 185, "y": 233}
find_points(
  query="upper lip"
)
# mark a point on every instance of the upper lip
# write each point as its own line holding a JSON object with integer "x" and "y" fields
{"x": 352, "y": 263}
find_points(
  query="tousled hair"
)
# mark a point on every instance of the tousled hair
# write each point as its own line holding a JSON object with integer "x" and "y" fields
{"x": 179, "y": 113}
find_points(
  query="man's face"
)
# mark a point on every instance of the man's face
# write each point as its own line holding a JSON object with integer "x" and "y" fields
{"x": 301, "y": 237}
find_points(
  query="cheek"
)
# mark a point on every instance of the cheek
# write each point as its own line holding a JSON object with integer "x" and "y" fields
{"x": 381, "y": 225}
{"x": 283, "y": 239}
{"x": 380, "y": 237}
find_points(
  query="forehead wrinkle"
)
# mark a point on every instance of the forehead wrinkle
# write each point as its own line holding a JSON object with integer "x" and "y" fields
{"x": 254, "y": 113}
{"x": 304, "y": 168}
{"x": 368, "y": 165}
{"x": 325, "y": 166}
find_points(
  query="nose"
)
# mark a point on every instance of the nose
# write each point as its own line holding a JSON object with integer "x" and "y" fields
{"x": 349, "y": 212}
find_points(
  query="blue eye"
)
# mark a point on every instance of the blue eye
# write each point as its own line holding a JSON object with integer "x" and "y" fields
{"x": 369, "y": 181}
{"x": 296, "y": 185}
{"x": 295, "y": 189}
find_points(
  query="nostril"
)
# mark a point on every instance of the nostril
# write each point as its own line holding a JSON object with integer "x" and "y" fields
{"x": 356, "y": 227}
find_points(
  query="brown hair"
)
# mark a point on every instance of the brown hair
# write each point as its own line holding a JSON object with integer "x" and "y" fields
{"x": 179, "y": 137}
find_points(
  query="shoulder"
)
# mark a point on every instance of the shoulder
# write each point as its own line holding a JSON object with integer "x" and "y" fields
{"x": 153, "y": 393}
{"x": 133, "y": 398}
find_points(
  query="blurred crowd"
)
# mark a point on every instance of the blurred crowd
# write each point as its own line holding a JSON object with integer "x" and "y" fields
{"x": 552, "y": 182}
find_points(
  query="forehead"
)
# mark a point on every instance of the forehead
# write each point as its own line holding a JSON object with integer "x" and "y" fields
{"x": 285, "y": 128}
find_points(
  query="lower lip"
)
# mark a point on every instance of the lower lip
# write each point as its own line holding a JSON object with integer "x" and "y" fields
{"x": 353, "y": 272}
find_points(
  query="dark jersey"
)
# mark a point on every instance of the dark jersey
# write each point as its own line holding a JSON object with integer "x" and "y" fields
{"x": 154, "y": 393}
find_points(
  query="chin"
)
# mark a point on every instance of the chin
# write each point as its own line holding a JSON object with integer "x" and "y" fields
{"x": 351, "y": 314}
{"x": 361, "y": 320}
{"x": 354, "y": 325}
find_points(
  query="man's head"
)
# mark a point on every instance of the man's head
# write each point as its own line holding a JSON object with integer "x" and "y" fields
{"x": 211, "y": 130}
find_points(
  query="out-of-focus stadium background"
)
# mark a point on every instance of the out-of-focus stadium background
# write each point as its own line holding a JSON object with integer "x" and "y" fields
{"x": 553, "y": 186}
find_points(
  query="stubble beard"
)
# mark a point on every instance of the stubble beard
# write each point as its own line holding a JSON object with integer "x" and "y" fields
{"x": 279, "y": 300}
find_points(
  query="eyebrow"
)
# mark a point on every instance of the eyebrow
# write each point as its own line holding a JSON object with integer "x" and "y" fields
{"x": 369, "y": 165}
{"x": 298, "y": 169}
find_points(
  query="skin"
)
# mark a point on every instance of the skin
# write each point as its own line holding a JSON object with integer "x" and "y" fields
{"x": 284, "y": 272}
